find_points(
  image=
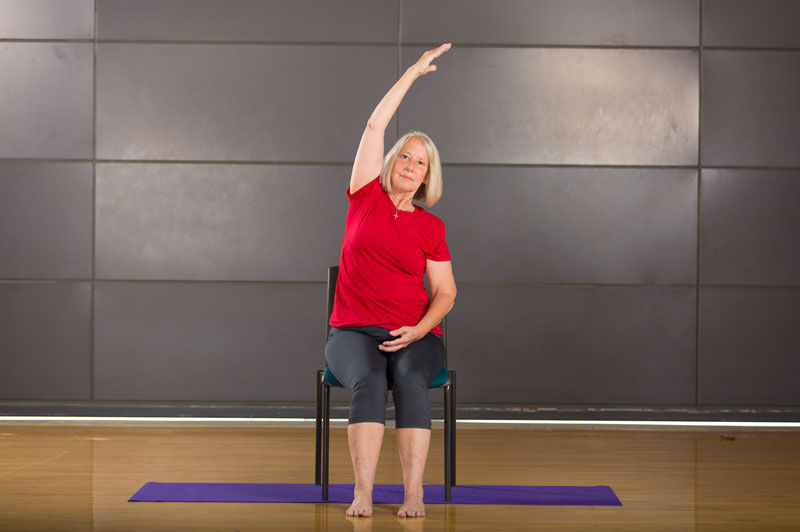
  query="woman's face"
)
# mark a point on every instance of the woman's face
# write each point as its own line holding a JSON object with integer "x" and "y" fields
{"x": 411, "y": 166}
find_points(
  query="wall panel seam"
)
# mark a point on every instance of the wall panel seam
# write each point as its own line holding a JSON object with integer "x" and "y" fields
{"x": 271, "y": 282}
{"x": 544, "y": 46}
{"x": 61, "y": 41}
{"x": 248, "y": 43}
{"x": 699, "y": 196}
{"x": 94, "y": 204}
{"x": 750, "y": 49}
{"x": 790, "y": 49}
{"x": 487, "y": 284}
{"x": 349, "y": 163}
{"x": 380, "y": 44}
{"x": 399, "y": 60}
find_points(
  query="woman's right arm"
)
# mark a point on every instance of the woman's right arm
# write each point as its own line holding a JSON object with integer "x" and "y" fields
{"x": 369, "y": 158}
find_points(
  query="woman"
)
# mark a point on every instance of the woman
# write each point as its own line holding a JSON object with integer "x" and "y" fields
{"x": 384, "y": 326}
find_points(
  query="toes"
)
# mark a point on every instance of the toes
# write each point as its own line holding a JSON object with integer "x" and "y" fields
{"x": 410, "y": 513}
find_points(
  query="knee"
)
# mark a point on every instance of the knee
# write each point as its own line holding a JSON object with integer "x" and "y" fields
{"x": 410, "y": 381}
{"x": 412, "y": 373}
{"x": 410, "y": 386}
{"x": 373, "y": 381}
{"x": 368, "y": 403}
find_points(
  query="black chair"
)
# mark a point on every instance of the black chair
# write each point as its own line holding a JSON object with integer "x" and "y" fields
{"x": 446, "y": 379}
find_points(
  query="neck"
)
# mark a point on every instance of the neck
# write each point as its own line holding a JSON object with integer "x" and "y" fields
{"x": 403, "y": 201}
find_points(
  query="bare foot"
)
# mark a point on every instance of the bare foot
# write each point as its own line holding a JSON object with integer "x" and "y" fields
{"x": 362, "y": 505}
{"x": 412, "y": 506}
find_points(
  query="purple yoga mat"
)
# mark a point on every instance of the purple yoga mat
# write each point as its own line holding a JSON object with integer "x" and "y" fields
{"x": 383, "y": 493}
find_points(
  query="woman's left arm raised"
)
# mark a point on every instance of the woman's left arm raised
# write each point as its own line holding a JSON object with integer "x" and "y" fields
{"x": 443, "y": 295}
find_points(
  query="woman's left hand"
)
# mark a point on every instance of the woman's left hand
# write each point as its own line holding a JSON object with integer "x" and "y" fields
{"x": 405, "y": 335}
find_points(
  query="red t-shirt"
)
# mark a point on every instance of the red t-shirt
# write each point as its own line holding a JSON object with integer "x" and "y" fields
{"x": 383, "y": 261}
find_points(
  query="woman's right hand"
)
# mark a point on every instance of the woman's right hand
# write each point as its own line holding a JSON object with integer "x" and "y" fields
{"x": 423, "y": 64}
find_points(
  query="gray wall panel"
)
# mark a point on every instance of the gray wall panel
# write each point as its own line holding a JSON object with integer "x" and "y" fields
{"x": 228, "y": 102}
{"x": 546, "y": 344}
{"x": 45, "y": 220}
{"x": 558, "y": 106}
{"x": 571, "y": 225}
{"x": 46, "y": 19}
{"x": 750, "y": 111}
{"x": 45, "y": 346}
{"x": 220, "y": 222}
{"x": 207, "y": 342}
{"x": 249, "y": 20}
{"x": 749, "y": 341}
{"x": 570, "y": 133}
{"x": 749, "y": 23}
{"x": 565, "y": 22}
{"x": 750, "y": 226}
{"x": 47, "y": 96}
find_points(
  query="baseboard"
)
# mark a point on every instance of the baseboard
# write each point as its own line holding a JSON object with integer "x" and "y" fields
{"x": 339, "y": 410}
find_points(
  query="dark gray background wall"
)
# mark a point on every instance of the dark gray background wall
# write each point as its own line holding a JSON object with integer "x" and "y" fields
{"x": 621, "y": 185}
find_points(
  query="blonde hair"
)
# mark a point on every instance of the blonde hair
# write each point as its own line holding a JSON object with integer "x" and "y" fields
{"x": 430, "y": 190}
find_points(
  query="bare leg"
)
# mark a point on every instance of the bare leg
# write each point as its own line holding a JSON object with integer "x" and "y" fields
{"x": 413, "y": 445}
{"x": 365, "y": 441}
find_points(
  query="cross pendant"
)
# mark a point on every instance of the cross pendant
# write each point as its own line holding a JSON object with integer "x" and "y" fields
{"x": 395, "y": 215}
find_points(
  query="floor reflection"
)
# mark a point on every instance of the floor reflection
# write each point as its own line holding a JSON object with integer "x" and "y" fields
{"x": 79, "y": 478}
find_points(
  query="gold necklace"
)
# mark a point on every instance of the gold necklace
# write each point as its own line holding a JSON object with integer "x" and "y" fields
{"x": 396, "y": 208}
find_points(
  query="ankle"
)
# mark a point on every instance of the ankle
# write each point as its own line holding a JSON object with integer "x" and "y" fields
{"x": 413, "y": 492}
{"x": 362, "y": 490}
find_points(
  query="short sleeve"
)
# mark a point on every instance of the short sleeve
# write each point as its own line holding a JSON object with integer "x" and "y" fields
{"x": 438, "y": 250}
{"x": 373, "y": 188}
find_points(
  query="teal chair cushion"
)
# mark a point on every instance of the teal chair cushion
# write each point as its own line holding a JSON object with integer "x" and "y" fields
{"x": 330, "y": 379}
{"x": 440, "y": 379}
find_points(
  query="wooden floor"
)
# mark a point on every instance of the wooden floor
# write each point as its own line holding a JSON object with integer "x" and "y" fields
{"x": 79, "y": 477}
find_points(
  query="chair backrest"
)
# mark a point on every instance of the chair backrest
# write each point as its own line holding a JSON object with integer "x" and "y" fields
{"x": 333, "y": 276}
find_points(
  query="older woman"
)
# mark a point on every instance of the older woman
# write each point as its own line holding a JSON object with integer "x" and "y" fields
{"x": 384, "y": 326}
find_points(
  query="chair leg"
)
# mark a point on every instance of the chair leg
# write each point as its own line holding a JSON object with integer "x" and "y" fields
{"x": 318, "y": 438}
{"x": 448, "y": 471}
{"x": 326, "y": 425}
{"x": 453, "y": 428}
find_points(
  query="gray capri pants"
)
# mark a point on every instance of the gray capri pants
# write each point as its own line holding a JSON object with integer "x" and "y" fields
{"x": 354, "y": 358}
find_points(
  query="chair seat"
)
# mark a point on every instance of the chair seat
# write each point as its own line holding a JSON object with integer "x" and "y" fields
{"x": 440, "y": 380}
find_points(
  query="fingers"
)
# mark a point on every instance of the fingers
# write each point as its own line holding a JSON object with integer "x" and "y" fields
{"x": 396, "y": 341}
{"x": 425, "y": 60}
{"x": 386, "y": 349}
{"x": 405, "y": 335}
{"x": 430, "y": 55}
{"x": 397, "y": 344}
{"x": 442, "y": 49}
